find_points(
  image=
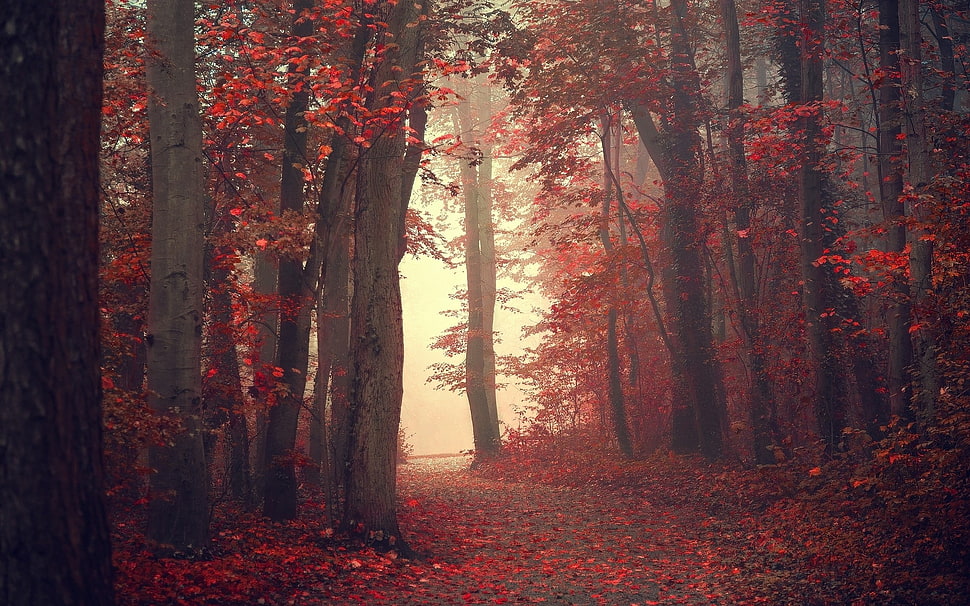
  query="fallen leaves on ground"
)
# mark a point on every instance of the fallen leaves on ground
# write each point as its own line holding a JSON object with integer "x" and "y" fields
{"x": 668, "y": 530}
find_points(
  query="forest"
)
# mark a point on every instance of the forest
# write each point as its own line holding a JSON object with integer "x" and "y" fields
{"x": 719, "y": 252}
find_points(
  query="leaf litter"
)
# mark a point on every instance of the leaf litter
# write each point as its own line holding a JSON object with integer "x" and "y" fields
{"x": 671, "y": 531}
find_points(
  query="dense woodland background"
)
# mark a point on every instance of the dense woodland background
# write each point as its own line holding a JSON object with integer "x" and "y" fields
{"x": 748, "y": 220}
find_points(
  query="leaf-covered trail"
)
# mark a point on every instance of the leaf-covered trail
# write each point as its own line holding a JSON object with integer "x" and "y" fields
{"x": 489, "y": 541}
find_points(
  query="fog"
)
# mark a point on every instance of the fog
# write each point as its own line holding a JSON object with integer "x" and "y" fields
{"x": 435, "y": 421}
{"x": 438, "y": 421}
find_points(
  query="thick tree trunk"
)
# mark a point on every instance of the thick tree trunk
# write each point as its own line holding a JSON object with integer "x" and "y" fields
{"x": 699, "y": 405}
{"x": 377, "y": 337}
{"x": 293, "y": 347}
{"x": 178, "y": 515}
{"x": 54, "y": 541}
{"x": 377, "y": 345}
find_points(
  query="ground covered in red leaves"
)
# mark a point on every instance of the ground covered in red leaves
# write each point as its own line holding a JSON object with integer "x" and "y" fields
{"x": 581, "y": 531}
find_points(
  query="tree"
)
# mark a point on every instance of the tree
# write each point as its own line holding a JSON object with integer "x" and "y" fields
{"x": 300, "y": 279}
{"x": 54, "y": 541}
{"x": 178, "y": 514}
{"x": 890, "y": 190}
{"x": 479, "y": 273}
{"x": 296, "y": 301}
{"x": 918, "y": 176}
{"x": 611, "y": 153}
{"x": 376, "y": 337}
{"x": 762, "y": 401}
{"x": 699, "y": 407}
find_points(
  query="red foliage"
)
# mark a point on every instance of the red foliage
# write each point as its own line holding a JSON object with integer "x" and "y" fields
{"x": 554, "y": 524}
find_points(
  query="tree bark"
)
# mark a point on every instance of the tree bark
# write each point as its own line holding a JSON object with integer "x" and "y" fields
{"x": 265, "y": 276}
{"x": 333, "y": 349}
{"x": 616, "y": 398}
{"x": 178, "y": 514}
{"x": 699, "y": 405}
{"x": 293, "y": 347}
{"x": 485, "y": 429}
{"x": 377, "y": 337}
{"x": 890, "y": 189}
{"x": 486, "y": 232}
{"x": 918, "y": 177}
{"x": 762, "y": 413}
{"x": 54, "y": 535}
{"x": 820, "y": 320}
{"x": 223, "y": 389}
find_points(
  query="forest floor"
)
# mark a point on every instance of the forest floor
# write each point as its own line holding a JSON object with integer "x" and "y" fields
{"x": 490, "y": 540}
{"x": 587, "y": 531}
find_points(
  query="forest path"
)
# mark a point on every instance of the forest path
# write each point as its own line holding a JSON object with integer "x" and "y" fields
{"x": 488, "y": 541}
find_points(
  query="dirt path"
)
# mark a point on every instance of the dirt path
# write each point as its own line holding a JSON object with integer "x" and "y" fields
{"x": 491, "y": 542}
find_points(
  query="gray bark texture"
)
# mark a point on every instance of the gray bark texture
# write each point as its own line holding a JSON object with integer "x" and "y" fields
{"x": 377, "y": 337}
{"x": 178, "y": 513}
{"x": 479, "y": 279}
{"x": 296, "y": 302}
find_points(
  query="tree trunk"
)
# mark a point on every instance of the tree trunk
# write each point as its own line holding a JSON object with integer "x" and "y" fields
{"x": 377, "y": 337}
{"x": 919, "y": 176}
{"x": 331, "y": 251}
{"x": 484, "y": 423}
{"x": 616, "y": 399}
{"x": 54, "y": 540}
{"x": 178, "y": 514}
{"x": 486, "y": 233}
{"x": 890, "y": 189}
{"x": 820, "y": 320}
{"x": 762, "y": 412}
{"x": 264, "y": 284}
{"x": 333, "y": 327}
{"x": 292, "y": 351}
{"x": 223, "y": 389}
{"x": 699, "y": 405}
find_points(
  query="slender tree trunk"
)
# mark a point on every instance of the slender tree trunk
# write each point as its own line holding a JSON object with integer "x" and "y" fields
{"x": 484, "y": 423}
{"x": 820, "y": 321}
{"x": 129, "y": 364}
{"x": 947, "y": 60}
{"x": 762, "y": 412}
{"x": 331, "y": 251}
{"x": 890, "y": 189}
{"x": 616, "y": 399}
{"x": 54, "y": 534}
{"x": 292, "y": 353}
{"x": 178, "y": 515}
{"x": 486, "y": 233}
{"x": 919, "y": 176}
{"x": 223, "y": 389}
{"x": 377, "y": 337}
{"x": 333, "y": 326}
{"x": 264, "y": 284}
